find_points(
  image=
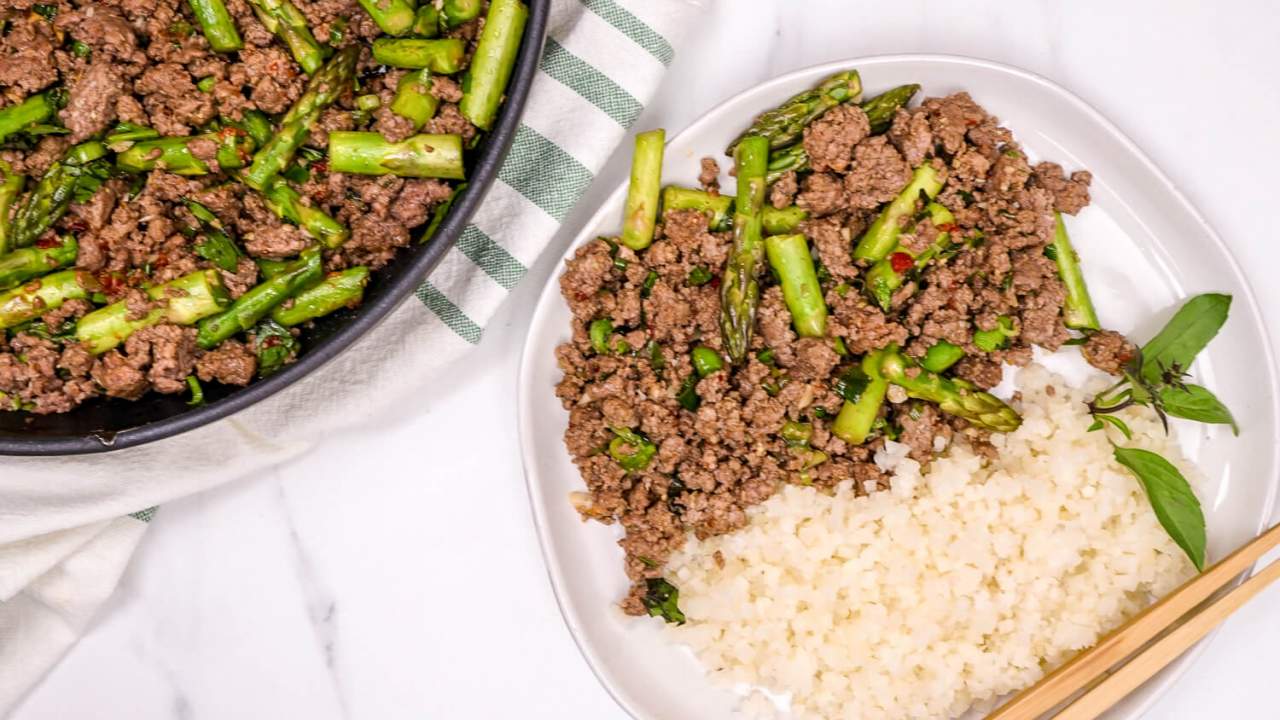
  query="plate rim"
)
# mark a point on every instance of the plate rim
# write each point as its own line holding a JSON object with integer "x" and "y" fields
{"x": 555, "y": 573}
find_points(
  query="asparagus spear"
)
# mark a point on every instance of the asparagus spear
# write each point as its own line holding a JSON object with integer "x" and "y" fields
{"x": 886, "y": 276}
{"x": 789, "y": 256}
{"x": 882, "y": 237}
{"x": 784, "y": 124}
{"x": 794, "y": 157}
{"x": 640, "y": 215}
{"x": 174, "y": 155}
{"x": 35, "y": 109}
{"x": 183, "y": 301}
{"x": 287, "y": 204}
{"x": 720, "y": 207}
{"x": 442, "y": 56}
{"x": 283, "y": 19}
{"x": 49, "y": 199}
{"x": 325, "y": 87}
{"x": 456, "y": 12}
{"x": 495, "y": 56}
{"x": 740, "y": 285}
{"x": 941, "y": 356}
{"x": 955, "y": 397}
{"x": 260, "y": 300}
{"x": 38, "y": 297}
{"x": 426, "y": 22}
{"x": 24, "y": 264}
{"x": 395, "y": 17}
{"x": 216, "y": 24}
{"x": 1077, "y": 310}
{"x": 879, "y": 110}
{"x": 413, "y": 99}
{"x": 10, "y": 185}
{"x": 368, "y": 153}
{"x": 339, "y": 290}
{"x": 125, "y": 134}
{"x": 858, "y": 416}
{"x": 783, "y": 221}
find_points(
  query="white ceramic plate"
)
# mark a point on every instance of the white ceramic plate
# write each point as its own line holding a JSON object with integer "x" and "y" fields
{"x": 1145, "y": 248}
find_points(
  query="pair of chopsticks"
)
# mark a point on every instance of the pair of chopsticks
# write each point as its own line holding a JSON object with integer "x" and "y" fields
{"x": 1094, "y": 671}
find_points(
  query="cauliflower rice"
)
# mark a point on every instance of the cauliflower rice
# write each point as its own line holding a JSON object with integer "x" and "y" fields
{"x": 948, "y": 591}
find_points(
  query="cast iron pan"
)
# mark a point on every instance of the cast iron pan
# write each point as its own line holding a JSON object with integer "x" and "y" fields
{"x": 103, "y": 424}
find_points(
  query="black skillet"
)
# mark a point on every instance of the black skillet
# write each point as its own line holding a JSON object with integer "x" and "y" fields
{"x": 104, "y": 424}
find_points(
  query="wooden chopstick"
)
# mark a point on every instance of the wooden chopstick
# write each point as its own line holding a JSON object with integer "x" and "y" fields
{"x": 1084, "y": 670}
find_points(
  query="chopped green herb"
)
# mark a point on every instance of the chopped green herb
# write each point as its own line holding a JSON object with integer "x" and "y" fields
{"x": 661, "y": 599}
{"x": 274, "y": 346}
{"x": 688, "y": 395}
{"x": 699, "y": 276}
{"x": 851, "y": 383}
{"x": 649, "y": 281}
{"x": 48, "y": 11}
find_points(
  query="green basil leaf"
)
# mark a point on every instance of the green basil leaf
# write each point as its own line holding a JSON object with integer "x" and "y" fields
{"x": 1171, "y": 497}
{"x": 1185, "y": 335}
{"x": 1197, "y": 403}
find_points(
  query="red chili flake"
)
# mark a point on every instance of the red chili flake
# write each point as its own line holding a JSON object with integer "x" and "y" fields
{"x": 715, "y": 283}
{"x": 76, "y": 225}
{"x": 948, "y": 227}
{"x": 320, "y": 166}
{"x": 48, "y": 241}
{"x": 901, "y": 262}
{"x": 971, "y": 122}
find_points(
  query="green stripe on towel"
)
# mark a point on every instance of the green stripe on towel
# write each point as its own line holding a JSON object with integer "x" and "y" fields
{"x": 590, "y": 83}
{"x": 494, "y": 259}
{"x": 544, "y": 173}
{"x": 465, "y": 327}
{"x": 634, "y": 28}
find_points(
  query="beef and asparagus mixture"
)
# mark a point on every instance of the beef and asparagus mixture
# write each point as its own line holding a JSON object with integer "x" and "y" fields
{"x": 876, "y": 266}
{"x": 186, "y": 184}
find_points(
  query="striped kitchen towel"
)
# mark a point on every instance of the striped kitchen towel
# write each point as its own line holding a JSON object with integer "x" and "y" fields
{"x": 68, "y": 526}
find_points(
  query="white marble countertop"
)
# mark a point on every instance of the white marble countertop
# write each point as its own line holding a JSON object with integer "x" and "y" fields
{"x": 363, "y": 582}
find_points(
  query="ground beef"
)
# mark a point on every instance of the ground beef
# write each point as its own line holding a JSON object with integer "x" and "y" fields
{"x": 829, "y": 141}
{"x": 783, "y": 191}
{"x": 1069, "y": 195}
{"x": 231, "y": 363}
{"x": 24, "y": 55}
{"x": 879, "y": 172}
{"x": 709, "y": 177}
{"x": 91, "y": 106}
{"x": 446, "y": 89}
{"x": 172, "y": 100}
{"x": 1109, "y": 351}
{"x": 277, "y": 241}
{"x": 911, "y": 135}
{"x": 822, "y": 194}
